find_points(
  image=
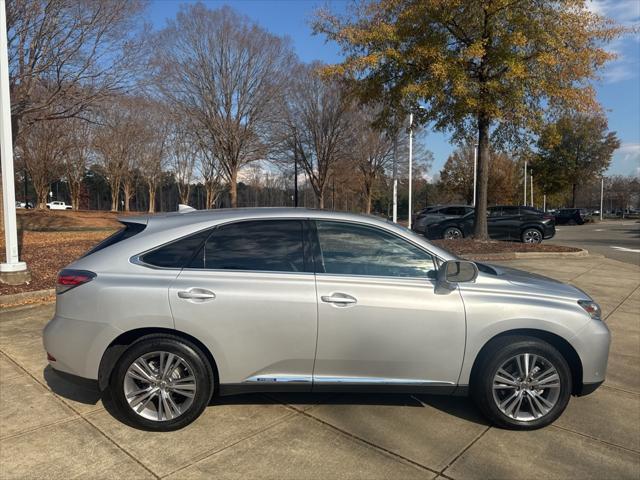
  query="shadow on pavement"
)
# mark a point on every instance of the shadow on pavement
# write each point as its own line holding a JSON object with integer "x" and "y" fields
{"x": 86, "y": 391}
{"x": 71, "y": 387}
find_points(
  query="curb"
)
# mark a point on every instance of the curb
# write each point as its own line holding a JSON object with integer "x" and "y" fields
{"x": 525, "y": 255}
{"x": 19, "y": 298}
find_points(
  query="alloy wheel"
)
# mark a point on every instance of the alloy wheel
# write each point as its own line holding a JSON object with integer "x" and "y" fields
{"x": 452, "y": 234}
{"x": 532, "y": 236}
{"x": 526, "y": 387}
{"x": 160, "y": 386}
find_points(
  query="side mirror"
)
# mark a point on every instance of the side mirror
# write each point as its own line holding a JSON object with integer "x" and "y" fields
{"x": 453, "y": 272}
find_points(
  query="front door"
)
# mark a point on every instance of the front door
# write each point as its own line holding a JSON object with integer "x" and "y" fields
{"x": 250, "y": 296}
{"x": 380, "y": 320}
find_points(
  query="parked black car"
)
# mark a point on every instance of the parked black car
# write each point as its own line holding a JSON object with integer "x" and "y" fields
{"x": 525, "y": 224}
{"x": 438, "y": 213}
{"x": 570, "y": 216}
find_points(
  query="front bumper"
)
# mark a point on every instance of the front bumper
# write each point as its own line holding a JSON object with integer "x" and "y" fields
{"x": 77, "y": 345}
{"x": 592, "y": 345}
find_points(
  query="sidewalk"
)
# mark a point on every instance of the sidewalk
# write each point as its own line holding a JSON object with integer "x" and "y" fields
{"x": 54, "y": 429}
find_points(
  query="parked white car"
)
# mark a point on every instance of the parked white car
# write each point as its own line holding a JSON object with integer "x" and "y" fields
{"x": 58, "y": 206}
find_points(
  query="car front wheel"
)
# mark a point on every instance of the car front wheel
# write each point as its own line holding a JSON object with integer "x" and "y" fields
{"x": 522, "y": 383}
{"x": 531, "y": 235}
{"x": 161, "y": 383}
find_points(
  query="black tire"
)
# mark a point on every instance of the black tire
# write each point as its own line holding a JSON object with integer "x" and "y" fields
{"x": 452, "y": 233}
{"x": 531, "y": 235}
{"x": 502, "y": 350}
{"x": 198, "y": 365}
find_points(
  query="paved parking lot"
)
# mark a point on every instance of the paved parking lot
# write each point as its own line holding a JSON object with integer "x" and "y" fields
{"x": 51, "y": 428}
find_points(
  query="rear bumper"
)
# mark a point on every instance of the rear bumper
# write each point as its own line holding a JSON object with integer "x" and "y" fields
{"x": 77, "y": 345}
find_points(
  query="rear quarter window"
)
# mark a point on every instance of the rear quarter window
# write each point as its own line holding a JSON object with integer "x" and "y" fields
{"x": 178, "y": 253}
{"x": 128, "y": 230}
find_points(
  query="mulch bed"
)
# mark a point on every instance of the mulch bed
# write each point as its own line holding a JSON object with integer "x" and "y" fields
{"x": 466, "y": 246}
{"x": 48, "y": 252}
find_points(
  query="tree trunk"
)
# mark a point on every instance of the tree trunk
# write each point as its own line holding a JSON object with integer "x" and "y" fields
{"x": 74, "y": 190}
{"x": 320, "y": 197}
{"x": 233, "y": 189}
{"x": 480, "y": 230}
{"x": 41, "y": 193}
{"x": 115, "y": 194}
{"x": 152, "y": 197}
{"x": 368, "y": 204}
{"x": 573, "y": 195}
{"x": 127, "y": 189}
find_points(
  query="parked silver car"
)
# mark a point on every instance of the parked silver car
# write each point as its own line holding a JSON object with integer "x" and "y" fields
{"x": 176, "y": 308}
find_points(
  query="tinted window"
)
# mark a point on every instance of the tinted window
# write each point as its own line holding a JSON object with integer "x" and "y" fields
{"x": 177, "y": 253}
{"x": 266, "y": 245}
{"x": 128, "y": 231}
{"x": 349, "y": 249}
{"x": 495, "y": 211}
{"x": 510, "y": 210}
{"x": 454, "y": 211}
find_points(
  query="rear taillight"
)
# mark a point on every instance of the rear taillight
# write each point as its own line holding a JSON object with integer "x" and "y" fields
{"x": 68, "y": 279}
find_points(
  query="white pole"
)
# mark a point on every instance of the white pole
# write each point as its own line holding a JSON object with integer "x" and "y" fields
{"x": 410, "y": 163}
{"x": 544, "y": 203}
{"x": 601, "y": 198}
{"x": 475, "y": 172}
{"x": 525, "y": 183}
{"x": 395, "y": 181}
{"x": 12, "y": 263}
{"x": 531, "y": 188}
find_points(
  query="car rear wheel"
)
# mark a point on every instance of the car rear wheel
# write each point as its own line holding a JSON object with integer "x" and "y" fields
{"x": 453, "y": 233}
{"x": 161, "y": 383}
{"x": 522, "y": 383}
{"x": 531, "y": 235}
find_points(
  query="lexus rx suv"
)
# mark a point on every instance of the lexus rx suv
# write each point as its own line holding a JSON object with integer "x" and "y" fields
{"x": 176, "y": 308}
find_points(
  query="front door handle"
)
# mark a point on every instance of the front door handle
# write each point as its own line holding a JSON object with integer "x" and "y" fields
{"x": 196, "y": 294}
{"x": 339, "y": 299}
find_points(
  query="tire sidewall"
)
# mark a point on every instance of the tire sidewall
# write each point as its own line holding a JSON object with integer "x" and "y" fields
{"x": 484, "y": 384}
{"x": 195, "y": 359}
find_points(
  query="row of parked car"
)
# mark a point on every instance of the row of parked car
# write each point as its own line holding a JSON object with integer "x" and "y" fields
{"x": 505, "y": 222}
{"x": 55, "y": 205}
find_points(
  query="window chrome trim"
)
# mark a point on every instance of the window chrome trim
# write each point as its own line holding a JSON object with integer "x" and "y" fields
{"x": 137, "y": 259}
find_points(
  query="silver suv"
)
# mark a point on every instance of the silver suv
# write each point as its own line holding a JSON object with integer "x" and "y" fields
{"x": 176, "y": 308}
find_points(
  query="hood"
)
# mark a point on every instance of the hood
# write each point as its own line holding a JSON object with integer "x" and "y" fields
{"x": 534, "y": 283}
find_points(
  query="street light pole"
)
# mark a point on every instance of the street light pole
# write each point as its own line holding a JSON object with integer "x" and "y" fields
{"x": 295, "y": 171}
{"x": 410, "y": 163}
{"x": 601, "y": 197}
{"x": 531, "y": 188}
{"x": 525, "y": 183}
{"x": 475, "y": 172}
{"x": 13, "y": 271}
{"x": 395, "y": 179}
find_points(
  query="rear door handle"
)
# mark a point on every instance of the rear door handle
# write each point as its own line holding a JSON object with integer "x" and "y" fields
{"x": 197, "y": 294}
{"x": 339, "y": 298}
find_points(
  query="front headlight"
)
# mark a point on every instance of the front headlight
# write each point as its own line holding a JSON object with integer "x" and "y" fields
{"x": 592, "y": 308}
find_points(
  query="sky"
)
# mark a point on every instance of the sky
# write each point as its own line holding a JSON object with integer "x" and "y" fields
{"x": 618, "y": 90}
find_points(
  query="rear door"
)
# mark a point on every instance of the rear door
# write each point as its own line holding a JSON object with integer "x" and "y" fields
{"x": 250, "y": 296}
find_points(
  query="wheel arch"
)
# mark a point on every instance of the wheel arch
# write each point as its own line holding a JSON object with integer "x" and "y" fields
{"x": 121, "y": 343}
{"x": 559, "y": 343}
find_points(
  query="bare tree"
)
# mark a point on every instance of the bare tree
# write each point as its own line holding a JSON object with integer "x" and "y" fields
{"x": 65, "y": 55}
{"x": 317, "y": 120}
{"x": 117, "y": 143}
{"x": 226, "y": 74}
{"x": 154, "y": 154}
{"x": 76, "y": 160}
{"x": 42, "y": 151}
{"x": 183, "y": 161}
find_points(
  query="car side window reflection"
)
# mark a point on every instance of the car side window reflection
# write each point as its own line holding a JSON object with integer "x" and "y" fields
{"x": 349, "y": 249}
{"x": 268, "y": 245}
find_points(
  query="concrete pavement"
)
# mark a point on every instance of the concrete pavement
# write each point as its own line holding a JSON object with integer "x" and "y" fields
{"x": 52, "y": 428}
{"x": 615, "y": 239}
